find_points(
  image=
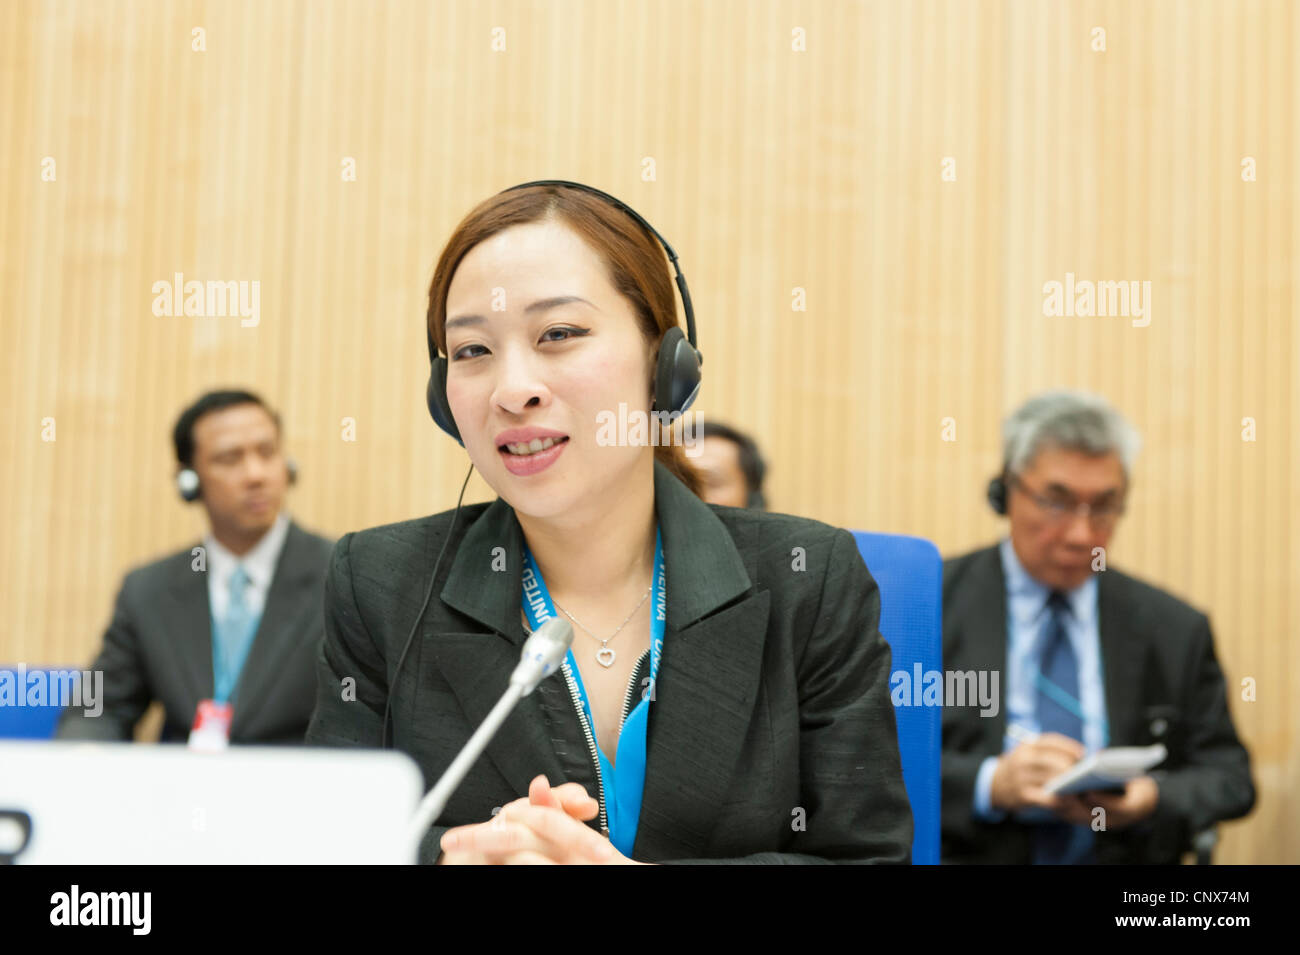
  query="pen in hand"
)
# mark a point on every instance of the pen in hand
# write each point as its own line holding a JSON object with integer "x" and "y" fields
{"x": 1020, "y": 734}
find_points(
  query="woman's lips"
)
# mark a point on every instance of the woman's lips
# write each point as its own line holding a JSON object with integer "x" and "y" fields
{"x": 522, "y": 465}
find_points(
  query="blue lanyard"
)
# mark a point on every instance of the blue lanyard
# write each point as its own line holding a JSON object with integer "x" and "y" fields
{"x": 1066, "y": 700}
{"x": 626, "y": 780}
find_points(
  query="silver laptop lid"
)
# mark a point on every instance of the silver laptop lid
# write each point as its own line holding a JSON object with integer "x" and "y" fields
{"x": 128, "y": 803}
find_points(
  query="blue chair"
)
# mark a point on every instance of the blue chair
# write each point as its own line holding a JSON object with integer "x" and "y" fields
{"x": 27, "y": 722}
{"x": 909, "y": 573}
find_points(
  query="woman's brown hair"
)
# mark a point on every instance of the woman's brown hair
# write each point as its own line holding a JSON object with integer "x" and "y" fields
{"x": 636, "y": 263}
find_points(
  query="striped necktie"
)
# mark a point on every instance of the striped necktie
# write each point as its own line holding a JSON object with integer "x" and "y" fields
{"x": 1057, "y": 684}
{"x": 1056, "y": 704}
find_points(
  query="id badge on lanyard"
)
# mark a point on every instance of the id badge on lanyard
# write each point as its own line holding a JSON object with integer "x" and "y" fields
{"x": 622, "y": 784}
{"x": 211, "y": 730}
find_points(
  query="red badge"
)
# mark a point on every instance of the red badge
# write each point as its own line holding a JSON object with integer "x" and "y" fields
{"x": 211, "y": 729}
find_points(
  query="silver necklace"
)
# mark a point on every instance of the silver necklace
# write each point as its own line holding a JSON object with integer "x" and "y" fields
{"x": 605, "y": 656}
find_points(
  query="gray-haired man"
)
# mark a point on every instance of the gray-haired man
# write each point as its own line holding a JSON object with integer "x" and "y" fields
{"x": 1090, "y": 658}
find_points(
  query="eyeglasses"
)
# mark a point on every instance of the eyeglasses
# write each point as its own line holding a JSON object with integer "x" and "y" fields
{"x": 1058, "y": 509}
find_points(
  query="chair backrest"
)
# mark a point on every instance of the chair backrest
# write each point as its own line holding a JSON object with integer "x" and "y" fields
{"x": 23, "y": 713}
{"x": 909, "y": 573}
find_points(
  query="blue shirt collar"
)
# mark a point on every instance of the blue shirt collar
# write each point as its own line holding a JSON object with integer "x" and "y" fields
{"x": 1027, "y": 598}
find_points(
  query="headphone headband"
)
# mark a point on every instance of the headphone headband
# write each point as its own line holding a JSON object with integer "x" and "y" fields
{"x": 619, "y": 204}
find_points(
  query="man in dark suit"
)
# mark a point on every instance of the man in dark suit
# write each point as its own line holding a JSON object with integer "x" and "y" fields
{"x": 237, "y": 620}
{"x": 1090, "y": 658}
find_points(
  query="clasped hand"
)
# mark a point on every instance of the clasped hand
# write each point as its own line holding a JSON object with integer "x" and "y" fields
{"x": 546, "y": 827}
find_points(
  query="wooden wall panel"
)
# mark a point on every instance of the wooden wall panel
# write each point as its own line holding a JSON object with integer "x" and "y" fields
{"x": 775, "y": 170}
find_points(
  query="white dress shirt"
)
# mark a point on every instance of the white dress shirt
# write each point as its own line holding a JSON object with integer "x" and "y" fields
{"x": 259, "y": 563}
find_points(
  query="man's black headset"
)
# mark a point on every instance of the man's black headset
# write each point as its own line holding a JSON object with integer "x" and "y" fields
{"x": 997, "y": 492}
{"x": 190, "y": 490}
{"x": 677, "y": 383}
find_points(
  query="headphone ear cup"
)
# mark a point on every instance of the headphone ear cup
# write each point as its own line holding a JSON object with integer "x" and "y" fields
{"x": 677, "y": 376}
{"x": 436, "y": 396}
{"x": 997, "y": 494}
{"x": 187, "y": 483}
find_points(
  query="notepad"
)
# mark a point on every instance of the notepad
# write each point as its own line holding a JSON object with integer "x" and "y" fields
{"x": 1107, "y": 769}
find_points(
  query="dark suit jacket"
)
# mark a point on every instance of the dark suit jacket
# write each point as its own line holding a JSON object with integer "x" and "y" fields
{"x": 158, "y": 646}
{"x": 1163, "y": 684}
{"x": 772, "y": 695}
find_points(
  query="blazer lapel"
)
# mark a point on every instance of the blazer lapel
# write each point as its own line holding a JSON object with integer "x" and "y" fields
{"x": 186, "y": 616}
{"x": 1123, "y": 652}
{"x": 478, "y": 664}
{"x": 277, "y": 631}
{"x": 708, "y": 675}
{"x": 983, "y": 636}
{"x": 703, "y": 701}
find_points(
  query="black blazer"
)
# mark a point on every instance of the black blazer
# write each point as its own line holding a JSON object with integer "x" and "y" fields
{"x": 771, "y": 736}
{"x": 1163, "y": 684}
{"x": 158, "y": 646}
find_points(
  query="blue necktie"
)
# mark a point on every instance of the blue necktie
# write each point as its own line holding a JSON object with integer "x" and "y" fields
{"x": 1056, "y": 702}
{"x": 232, "y": 636}
{"x": 1057, "y": 696}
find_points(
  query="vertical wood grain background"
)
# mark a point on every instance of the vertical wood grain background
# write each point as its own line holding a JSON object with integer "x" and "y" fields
{"x": 775, "y": 169}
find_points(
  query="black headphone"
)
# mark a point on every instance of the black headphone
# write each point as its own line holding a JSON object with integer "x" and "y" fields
{"x": 187, "y": 481}
{"x": 677, "y": 377}
{"x": 997, "y": 493}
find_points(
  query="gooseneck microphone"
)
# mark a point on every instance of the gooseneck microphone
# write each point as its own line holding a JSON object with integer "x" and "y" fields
{"x": 543, "y": 652}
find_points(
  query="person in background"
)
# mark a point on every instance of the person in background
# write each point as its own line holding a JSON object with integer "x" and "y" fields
{"x": 1090, "y": 657}
{"x": 730, "y": 467}
{"x": 236, "y": 623}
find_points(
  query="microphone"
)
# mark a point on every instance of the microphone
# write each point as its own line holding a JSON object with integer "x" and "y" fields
{"x": 543, "y": 653}
{"x": 541, "y": 656}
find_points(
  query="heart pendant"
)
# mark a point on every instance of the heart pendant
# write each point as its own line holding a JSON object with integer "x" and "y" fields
{"x": 605, "y": 657}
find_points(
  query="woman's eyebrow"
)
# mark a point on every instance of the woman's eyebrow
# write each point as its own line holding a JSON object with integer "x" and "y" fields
{"x": 538, "y": 306}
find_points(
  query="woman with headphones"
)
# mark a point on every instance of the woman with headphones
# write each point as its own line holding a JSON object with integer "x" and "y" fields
{"x": 726, "y": 696}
